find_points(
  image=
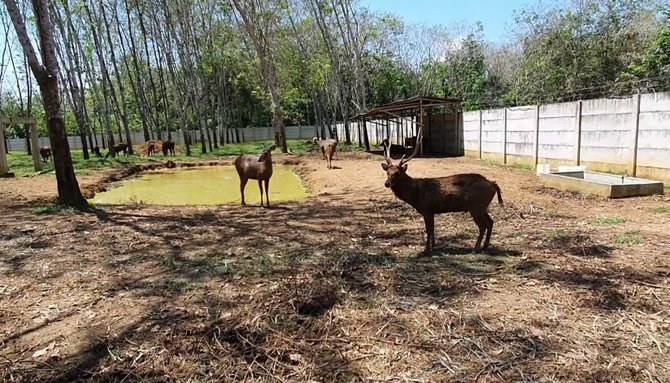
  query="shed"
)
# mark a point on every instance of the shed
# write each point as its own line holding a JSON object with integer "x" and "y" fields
{"x": 398, "y": 121}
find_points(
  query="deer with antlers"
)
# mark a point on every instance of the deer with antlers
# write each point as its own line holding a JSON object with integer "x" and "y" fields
{"x": 469, "y": 192}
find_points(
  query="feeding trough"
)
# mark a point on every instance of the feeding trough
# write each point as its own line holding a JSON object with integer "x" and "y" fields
{"x": 577, "y": 178}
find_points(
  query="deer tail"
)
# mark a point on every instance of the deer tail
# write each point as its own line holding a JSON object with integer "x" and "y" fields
{"x": 499, "y": 193}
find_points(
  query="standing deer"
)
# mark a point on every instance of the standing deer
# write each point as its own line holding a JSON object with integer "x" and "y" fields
{"x": 168, "y": 146}
{"x": 328, "y": 147}
{"x": 118, "y": 148}
{"x": 256, "y": 168}
{"x": 468, "y": 192}
{"x": 45, "y": 152}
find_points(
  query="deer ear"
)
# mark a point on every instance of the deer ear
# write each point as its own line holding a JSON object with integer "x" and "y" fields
{"x": 385, "y": 166}
{"x": 404, "y": 168}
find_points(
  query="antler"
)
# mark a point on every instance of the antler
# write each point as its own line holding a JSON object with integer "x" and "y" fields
{"x": 387, "y": 152}
{"x": 416, "y": 149}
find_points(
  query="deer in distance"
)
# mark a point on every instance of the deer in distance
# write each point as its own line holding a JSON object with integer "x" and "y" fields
{"x": 168, "y": 146}
{"x": 254, "y": 167}
{"x": 45, "y": 153}
{"x": 469, "y": 192}
{"x": 328, "y": 147}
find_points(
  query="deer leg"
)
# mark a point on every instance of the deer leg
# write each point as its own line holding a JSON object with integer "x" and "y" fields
{"x": 243, "y": 184}
{"x": 260, "y": 187}
{"x": 482, "y": 223}
{"x": 489, "y": 229}
{"x": 429, "y": 219}
{"x": 267, "y": 197}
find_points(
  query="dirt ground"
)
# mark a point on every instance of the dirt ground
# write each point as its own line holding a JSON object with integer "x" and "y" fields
{"x": 331, "y": 289}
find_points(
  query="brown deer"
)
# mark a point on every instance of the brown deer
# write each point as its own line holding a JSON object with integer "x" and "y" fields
{"x": 45, "y": 153}
{"x": 118, "y": 148}
{"x": 256, "y": 168}
{"x": 168, "y": 146}
{"x": 469, "y": 192}
{"x": 151, "y": 149}
{"x": 328, "y": 147}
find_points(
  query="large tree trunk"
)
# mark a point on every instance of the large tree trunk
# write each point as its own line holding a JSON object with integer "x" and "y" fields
{"x": 46, "y": 74}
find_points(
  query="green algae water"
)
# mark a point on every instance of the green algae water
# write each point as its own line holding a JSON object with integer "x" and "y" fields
{"x": 211, "y": 185}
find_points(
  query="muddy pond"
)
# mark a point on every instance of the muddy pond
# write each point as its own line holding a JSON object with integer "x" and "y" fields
{"x": 210, "y": 185}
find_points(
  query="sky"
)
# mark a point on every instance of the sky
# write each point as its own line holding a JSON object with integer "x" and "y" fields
{"x": 495, "y": 15}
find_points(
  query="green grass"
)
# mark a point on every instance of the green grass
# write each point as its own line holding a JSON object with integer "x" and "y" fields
{"x": 22, "y": 163}
{"x": 661, "y": 209}
{"x": 51, "y": 209}
{"x": 629, "y": 238}
{"x": 666, "y": 186}
{"x": 522, "y": 167}
{"x": 608, "y": 221}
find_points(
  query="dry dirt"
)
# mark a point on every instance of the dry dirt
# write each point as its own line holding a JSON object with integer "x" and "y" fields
{"x": 331, "y": 289}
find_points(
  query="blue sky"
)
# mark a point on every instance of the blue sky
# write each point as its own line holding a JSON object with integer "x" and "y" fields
{"x": 495, "y": 15}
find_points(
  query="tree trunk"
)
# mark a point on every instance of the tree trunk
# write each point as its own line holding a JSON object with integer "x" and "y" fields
{"x": 46, "y": 74}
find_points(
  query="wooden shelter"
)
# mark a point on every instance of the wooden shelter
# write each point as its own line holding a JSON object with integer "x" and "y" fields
{"x": 4, "y": 168}
{"x": 438, "y": 117}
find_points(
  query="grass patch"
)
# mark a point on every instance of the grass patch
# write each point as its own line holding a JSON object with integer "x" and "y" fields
{"x": 523, "y": 167}
{"x": 52, "y": 209}
{"x": 608, "y": 221}
{"x": 666, "y": 186}
{"x": 22, "y": 164}
{"x": 557, "y": 234}
{"x": 629, "y": 238}
{"x": 660, "y": 209}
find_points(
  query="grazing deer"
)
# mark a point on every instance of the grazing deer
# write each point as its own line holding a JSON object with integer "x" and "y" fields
{"x": 395, "y": 149}
{"x": 118, "y": 148}
{"x": 328, "y": 147}
{"x": 469, "y": 192}
{"x": 168, "y": 146}
{"x": 151, "y": 149}
{"x": 45, "y": 153}
{"x": 256, "y": 168}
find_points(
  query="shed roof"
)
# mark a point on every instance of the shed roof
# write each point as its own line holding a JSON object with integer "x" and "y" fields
{"x": 408, "y": 104}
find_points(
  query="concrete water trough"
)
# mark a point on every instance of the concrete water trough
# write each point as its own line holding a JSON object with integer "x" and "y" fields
{"x": 602, "y": 184}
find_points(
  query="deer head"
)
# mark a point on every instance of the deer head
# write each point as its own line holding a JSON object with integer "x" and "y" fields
{"x": 266, "y": 153}
{"x": 397, "y": 172}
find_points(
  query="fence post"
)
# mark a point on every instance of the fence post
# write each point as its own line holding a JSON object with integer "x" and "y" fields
{"x": 480, "y": 134}
{"x": 536, "y": 144}
{"x": 504, "y": 139}
{"x": 578, "y": 133}
{"x": 636, "y": 131}
{"x": 35, "y": 147}
{"x": 4, "y": 169}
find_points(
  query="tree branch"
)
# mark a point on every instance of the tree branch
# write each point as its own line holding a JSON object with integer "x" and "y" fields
{"x": 12, "y": 8}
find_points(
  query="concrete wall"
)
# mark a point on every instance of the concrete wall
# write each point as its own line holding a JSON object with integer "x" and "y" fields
{"x": 606, "y": 135}
{"x": 251, "y": 134}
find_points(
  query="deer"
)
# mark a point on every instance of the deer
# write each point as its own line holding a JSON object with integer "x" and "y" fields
{"x": 328, "y": 147}
{"x": 168, "y": 146}
{"x": 45, "y": 153}
{"x": 468, "y": 192}
{"x": 118, "y": 148}
{"x": 96, "y": 151}
{"x": 253, "y": 167}
{"x": 151, "y": 149}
